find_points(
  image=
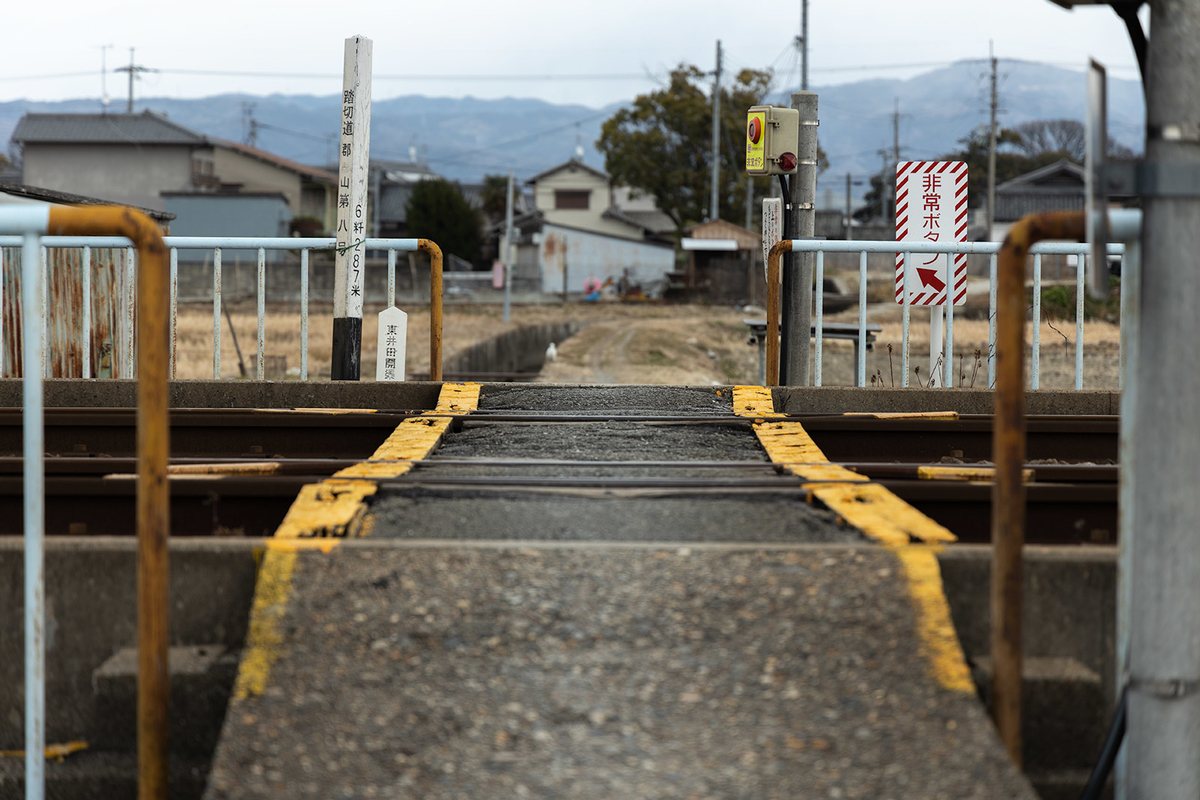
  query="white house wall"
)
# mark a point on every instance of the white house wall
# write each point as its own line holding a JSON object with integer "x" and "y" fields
{"x": 589, "y": 255}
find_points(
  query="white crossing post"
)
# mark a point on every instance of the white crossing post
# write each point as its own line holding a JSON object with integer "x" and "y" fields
{"x": 349, "y": 260}
{"x": 393, "y": 339}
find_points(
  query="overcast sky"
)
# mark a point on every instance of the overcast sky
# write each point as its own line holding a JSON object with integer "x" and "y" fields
{"x": 619, "y": 44}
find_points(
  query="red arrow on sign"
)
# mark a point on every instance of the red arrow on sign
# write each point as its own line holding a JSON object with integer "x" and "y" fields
{"x": 929, "y": 278}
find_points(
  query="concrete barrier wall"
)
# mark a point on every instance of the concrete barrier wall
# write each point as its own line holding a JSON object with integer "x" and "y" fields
{"x": 839, "y": 399}
{"x": 91, "y": 593}
{"x": 75, "y": 393}
{"x": 91, "y": 602}
{"x": 522, "y": 350}
{"x": 1070, "y": 603}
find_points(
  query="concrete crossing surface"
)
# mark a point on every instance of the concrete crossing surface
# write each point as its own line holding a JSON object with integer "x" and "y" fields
{"x": 598, "y": 592}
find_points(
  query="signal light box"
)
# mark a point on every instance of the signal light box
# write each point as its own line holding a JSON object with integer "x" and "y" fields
{"x": 772, "y": 134}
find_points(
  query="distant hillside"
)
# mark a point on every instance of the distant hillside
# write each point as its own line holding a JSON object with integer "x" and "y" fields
{"x": 465, "y": 138}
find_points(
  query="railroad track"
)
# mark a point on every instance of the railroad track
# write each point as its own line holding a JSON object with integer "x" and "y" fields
{"x": 349, "y": 434}
{"x": 1066, "y": 503}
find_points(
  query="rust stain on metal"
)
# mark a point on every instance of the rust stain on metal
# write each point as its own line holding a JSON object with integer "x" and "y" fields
{"x": 65, "y": 347}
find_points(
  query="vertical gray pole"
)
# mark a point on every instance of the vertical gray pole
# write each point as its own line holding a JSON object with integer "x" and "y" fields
{"x": 508, "y": 248}
{"x": 132, "y": 72}
{"x": 849, "y": 221}
{"x": 991, "y": 179}
{"x": 804, "y": 45}
{"x": 798, "y": 302}
{"x": 1164, "y": 701}
{"x": 749, "y": 202}
{"x": 714, "y": 208}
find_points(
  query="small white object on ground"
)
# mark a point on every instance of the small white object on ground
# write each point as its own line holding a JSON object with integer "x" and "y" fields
{"x": 551, "y": 352}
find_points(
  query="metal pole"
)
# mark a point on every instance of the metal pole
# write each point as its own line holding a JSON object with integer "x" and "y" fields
{"x": 849, "y": 219}
{"x": 991, "y": 174}
{"x": 1164, "y": 676}
{"x": 714, "y": 208}
{"x": 35, "y": 510}
{"x": 508, "y": 248}
{"x": 804, "y": 215}
{"x": 804, "y": 45}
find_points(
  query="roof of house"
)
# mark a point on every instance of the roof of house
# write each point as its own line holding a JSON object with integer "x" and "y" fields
{"x": 146, "y": 128}
{"x": 1054, "y": 187}
{"x": 723, "y": 229}
{"x": 1061, "y": 176}
{"x": 64, "y": 198}
{"x": 652, "y": 221}
{"x": 573, "y": 164}
{"x": 313, "y": 173}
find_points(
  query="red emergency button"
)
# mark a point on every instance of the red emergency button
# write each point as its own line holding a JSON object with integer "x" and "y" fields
{"x": 755, "y": 130}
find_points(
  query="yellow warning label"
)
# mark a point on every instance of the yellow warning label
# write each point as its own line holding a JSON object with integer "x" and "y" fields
{"x": 756, "y": 140}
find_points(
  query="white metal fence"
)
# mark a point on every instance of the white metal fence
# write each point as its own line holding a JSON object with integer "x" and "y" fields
{"x": 305, "y": 246}
{"x": 992, "y": 249}
{"x": 218, "y": 246}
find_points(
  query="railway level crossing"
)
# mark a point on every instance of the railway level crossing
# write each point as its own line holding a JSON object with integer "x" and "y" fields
{"x": 602, "y": 592}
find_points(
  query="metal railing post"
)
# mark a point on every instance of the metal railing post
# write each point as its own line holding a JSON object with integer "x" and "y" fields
{"x": 1008, "y": 453}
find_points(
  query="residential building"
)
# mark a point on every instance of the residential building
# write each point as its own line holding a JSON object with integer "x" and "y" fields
{"x": 1055, "y": 187}
{"x": 138, "y": 159}
{"x": 575, "y": 231}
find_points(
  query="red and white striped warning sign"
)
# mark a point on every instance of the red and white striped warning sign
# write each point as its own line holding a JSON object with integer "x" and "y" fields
{"x": 931, "y": 206}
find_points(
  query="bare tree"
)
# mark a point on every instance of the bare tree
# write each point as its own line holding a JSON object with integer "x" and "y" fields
{"x": 1045, "y": 136}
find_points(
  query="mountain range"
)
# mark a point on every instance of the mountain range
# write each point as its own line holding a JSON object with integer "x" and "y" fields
{"x": 466, "y": 138}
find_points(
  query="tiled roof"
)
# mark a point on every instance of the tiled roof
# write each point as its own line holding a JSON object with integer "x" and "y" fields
{"x": 574, "y": 163}
{"x": 144, "y": 128}
{"x": 314, "y": 173}
{"x": 63, "y": 198}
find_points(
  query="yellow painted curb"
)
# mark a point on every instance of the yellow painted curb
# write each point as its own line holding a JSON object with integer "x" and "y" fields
{"x": 880, "y": 515}
{"x": 324, "y": 514}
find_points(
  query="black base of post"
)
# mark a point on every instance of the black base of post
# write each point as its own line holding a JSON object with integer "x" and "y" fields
{"x": 347, "y": 349}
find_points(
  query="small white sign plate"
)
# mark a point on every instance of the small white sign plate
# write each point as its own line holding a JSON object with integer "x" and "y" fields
{"x": 772, "y": 225}
{"x": 393, "y": 334}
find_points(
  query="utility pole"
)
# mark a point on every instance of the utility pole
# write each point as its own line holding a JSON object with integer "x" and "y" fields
{"x": 104, "y": 98}
{"x": 749, "y": 201}
{"x": 849, "y": 226}
{"x": 883, "y": 186}
{"x": 250, "y": 123}
{"x": 1162, "y": 749}
{"x": 798, "y": 275}
{"x": 803, "y": 44}
{"x": 714, "y": 208}
{"x": 508, "y": 248}
{"x": 896, "y": 133}
{"x": 133, "y": 69}
{"x": 991, "y": 179}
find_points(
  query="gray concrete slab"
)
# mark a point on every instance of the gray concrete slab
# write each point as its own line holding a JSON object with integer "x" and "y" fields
{"x": 611, "y": 516}
{"x": 604, "y": 441}
{"x": 629, "y": 400}
{"x": 595, "y": 672}
{"x": 839, "y": 399}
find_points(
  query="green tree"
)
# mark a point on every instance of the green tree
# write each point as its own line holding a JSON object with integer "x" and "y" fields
{"x": 662, "y": 145}
{"x": 495, "y": 197}
{"x": 437, "y": 211}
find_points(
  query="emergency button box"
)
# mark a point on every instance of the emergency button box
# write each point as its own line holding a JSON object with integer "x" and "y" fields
{"x": 771, "y": 137}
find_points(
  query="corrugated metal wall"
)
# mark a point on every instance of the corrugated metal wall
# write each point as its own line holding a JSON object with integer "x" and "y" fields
{"x": 110, "y": 344}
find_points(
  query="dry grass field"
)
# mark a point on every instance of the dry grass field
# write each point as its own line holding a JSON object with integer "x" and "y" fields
{"x": 640, "y": 343}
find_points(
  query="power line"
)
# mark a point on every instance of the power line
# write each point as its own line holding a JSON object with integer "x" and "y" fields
{"x": 576, "y": 76}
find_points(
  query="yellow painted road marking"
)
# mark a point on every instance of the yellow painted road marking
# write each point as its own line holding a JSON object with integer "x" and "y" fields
{"x": 946, "y": 415}
{"x": 58, "y": 752}
{"x": 938, "y": 637}
{"x": 264, "y": 639}
{"x": 325, "y": 513}
{"x": 937, "y": 472}
{"x": 880, "y": 515}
